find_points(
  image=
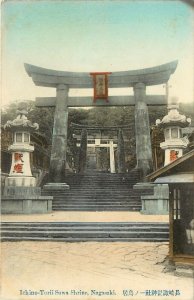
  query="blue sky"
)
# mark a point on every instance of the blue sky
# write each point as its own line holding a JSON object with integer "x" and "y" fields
{"x": 95, "y": 36}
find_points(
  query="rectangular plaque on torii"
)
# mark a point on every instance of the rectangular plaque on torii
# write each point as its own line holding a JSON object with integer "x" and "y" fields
{"x": 100, "y": 84}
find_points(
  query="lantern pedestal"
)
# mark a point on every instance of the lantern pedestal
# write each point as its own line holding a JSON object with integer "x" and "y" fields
{"x": 158, "y": 203}
{"x": 20, "y": 195}
{"x": 26, "y": 205}
{"x": 172, "y": 125}
{"x": 20, "y": 181}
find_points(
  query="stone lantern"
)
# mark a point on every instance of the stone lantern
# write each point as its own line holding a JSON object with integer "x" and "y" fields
{"x": 172, "y": 124}
{"x": 21, "y": 195}
{"x": 20, "y": 172}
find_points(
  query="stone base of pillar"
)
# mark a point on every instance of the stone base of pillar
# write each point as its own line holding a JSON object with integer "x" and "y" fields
{"x": 147, "y": 187}
{"x": 158, "y": 203}
{"x": 29, "y": 205}
{"x": 52, "y": 186}
{"x": 21, "y": 191}
{"x": 20, "y": 181}
{"x": 25, "y": 200}
{"x": 144, "y": 186}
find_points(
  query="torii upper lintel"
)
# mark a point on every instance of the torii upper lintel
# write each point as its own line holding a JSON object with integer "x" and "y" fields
{"x": 149, "y": 76}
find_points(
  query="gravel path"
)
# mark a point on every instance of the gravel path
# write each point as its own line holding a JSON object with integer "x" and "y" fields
{"x": 89, "y": 271}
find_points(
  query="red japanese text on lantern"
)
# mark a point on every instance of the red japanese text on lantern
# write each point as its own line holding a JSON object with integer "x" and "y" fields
{"x": 18, "y": 157}
{"x": 18, "y": 168}
{"x": 173, "y": 155}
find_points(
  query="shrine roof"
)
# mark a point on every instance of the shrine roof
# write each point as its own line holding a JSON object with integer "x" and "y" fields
{"x": 149, "y": 76}
{"x": 182, "y": 164}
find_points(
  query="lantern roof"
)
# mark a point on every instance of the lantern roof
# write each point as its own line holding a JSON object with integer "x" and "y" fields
{"x": 173, "y": 117}
{"x": 21, "y": 122}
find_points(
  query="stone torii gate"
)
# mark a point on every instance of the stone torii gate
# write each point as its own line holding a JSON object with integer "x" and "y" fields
{"x": 120, "y": 144}
{"x": 63, "y": 81}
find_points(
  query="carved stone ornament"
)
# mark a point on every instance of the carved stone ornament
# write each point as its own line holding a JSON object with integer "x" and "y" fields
{"x": 173, "y": 117}
{"x": 21, "y": 121}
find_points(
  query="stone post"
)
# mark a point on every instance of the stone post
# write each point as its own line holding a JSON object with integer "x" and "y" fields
{"x": 20, "y": 172}
{"x": 172, "y": 125}
{"x": 59, "y": 140}
{"x": 142, "y": 131}
{"x": 20, "y": 194}
{"x": 83, "y": 151}
{"x": 112, "y": 157}
{"x": 121, "y": 153}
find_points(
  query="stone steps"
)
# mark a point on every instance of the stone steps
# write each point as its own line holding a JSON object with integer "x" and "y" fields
{"x": 92, "y": 193}
{"x": 101, "y": 182}
{"x": 78, "y": 199}
{"x": 88, "y": 185}
{"x": 95, "y": 201}
{"x": 102, "y": 179}
{"x": 99, "y": 195}
{"x": 119, "y": 194}
{"x": 98, "y": 192}
{"x": 84, "y": 231}
{"x": 96, "y": 196}
{"x": 96, "y": 208}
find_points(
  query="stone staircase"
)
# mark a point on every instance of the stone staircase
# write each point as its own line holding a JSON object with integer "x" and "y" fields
{"x": 85, "y": 231}
{"x": 92, "y": 192}
{"x": 98, "y": 192}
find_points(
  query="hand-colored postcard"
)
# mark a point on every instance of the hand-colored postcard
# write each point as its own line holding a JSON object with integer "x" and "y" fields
{"x": 97, "y": 157}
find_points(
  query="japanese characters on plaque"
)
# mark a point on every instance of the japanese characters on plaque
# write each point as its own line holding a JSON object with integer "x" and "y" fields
{"x": 100, "y": 84}
{"x": 173, "y": 155}
{"x": 18, "y": 163}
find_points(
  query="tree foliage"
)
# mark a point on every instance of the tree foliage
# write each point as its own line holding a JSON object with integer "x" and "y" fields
{"x": 97, "y": 116}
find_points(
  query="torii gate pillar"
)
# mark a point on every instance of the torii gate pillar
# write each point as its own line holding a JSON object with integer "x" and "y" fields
{"x": 59, "y": 139}
{"x": 142, "y": 131}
